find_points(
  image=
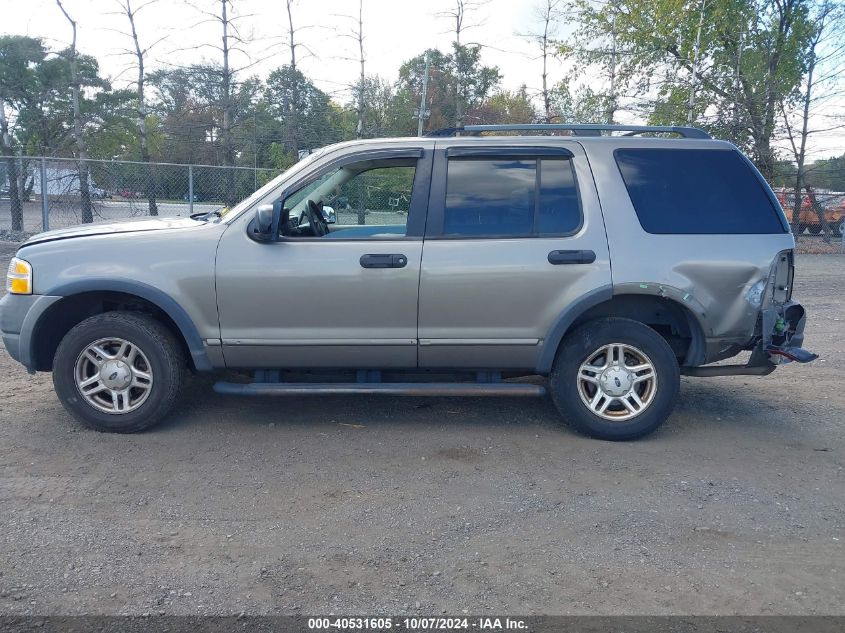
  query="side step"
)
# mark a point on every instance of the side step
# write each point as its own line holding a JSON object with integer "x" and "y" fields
{"x": 387, "y": 388}
{"x": 727, "y": 370}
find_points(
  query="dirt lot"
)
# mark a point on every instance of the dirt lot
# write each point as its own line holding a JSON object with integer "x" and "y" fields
{"x": 378, "y": 504}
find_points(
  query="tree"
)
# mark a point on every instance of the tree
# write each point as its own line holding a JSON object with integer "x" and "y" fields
{"x": 140, "y": 54}
{"x": 465, "y": 58}
{"x": 740, "y": 57}
{"x": 548, "y": 13}
{"x": 71, "y": 55}
{"x": 825, "y": 54}
{"x": 476, "y": 85}
{"x": 19, "y": 56}
{"x": 583, "y": 106}
{"x": 505, "y": 106}
{"x": 288, "y": 91}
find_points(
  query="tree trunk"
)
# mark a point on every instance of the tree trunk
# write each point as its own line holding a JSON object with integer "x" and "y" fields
{"x": 820, "y": 213}
{"x": 78, "y": 129}
{"x": 228, "y": 151}
{"x": 15, "y": 204}
{"x": 359, "y": 133}
{"x": 151, "y": 187}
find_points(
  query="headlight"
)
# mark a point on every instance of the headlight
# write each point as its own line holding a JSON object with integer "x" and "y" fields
{"x": 19, "y": 277}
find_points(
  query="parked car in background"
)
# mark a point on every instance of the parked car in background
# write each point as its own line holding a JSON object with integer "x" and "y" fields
{"x": 196, "y": 197}
{"x": 99, "y": 194}
{"x": 128, "y": 193}
{"x": 598, "y": 269}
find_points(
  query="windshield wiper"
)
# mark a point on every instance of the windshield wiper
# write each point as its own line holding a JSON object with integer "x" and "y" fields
{"x": 207, "y": 215}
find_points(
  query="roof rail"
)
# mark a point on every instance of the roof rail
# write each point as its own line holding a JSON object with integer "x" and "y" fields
{"x": 584, "y": 129}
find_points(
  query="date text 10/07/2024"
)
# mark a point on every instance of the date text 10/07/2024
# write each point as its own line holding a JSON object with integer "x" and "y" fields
{"x": 481, "y": 623}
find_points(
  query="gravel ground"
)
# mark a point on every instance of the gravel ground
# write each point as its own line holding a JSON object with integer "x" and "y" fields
{"x": 379, "y": 504}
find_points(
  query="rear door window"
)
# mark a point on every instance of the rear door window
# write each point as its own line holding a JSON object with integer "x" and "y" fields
{"x": 510, "y": 197}
{"x": 696, "y": 191}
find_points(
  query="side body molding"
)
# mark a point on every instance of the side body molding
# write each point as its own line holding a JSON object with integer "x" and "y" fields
{"x": 155, "y": 296}
{"x": 563, "y": 322}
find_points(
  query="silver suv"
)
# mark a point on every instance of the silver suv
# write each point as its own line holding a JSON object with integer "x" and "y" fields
{"x": 598, "y": 266}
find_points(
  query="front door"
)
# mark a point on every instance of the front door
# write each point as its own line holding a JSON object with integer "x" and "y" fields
{"x": 339, "y": 287}
{"x": 515, "y": 235}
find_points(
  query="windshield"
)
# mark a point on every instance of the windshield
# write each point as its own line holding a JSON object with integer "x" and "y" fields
{"x": 263, "y": 191}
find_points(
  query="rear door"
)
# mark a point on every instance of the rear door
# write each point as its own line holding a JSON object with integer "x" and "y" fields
{"x": 514, "y": 236}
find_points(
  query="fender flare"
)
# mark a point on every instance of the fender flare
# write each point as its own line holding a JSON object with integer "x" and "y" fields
{"x": 692, "y": 311}
{"x": 548, "y": 350}
{"x": 157, "y": 297}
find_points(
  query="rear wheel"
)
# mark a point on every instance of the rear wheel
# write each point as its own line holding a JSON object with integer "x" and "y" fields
{"x": 119, "y": 371}
{"x": 815, "y": 229}
{"x": 615, "y": 379}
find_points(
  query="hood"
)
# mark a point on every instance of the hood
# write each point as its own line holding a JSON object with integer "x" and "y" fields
{"x": 108, "y": 228}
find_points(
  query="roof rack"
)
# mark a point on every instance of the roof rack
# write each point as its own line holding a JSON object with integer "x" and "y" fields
{"x": 585, "y": 129}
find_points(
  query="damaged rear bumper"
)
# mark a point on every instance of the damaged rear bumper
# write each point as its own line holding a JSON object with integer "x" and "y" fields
{"x": 780, "y": 342}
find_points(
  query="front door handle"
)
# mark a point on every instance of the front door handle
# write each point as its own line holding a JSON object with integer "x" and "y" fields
{"x": 379, "y": 260}
{"x": 572, "y": 257}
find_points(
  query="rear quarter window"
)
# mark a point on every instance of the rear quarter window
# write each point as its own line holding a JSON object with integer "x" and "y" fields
{"x": 696, "y": 191}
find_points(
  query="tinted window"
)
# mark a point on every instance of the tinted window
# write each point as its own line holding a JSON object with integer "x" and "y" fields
{"x": 696, "y": 191}
{"x": 560, "y": 211}
{"x": 499, "y": 197}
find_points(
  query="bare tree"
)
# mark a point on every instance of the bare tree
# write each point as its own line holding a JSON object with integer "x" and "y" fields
{"x": 78, "y": 128}
{"x": 231, "y": 42}
{"x": 825, "y": 61}
{"x": 140, "y": 55}
{"x": 290, "y": 106}
{"x": 359, "y": 88}
{"x": 359, "y": 130}
{"x": 458, "y": 15}
{"x": 548, "y": 15}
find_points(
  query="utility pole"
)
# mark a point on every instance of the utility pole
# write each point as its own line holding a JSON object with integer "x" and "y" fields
{"x": 422, "y": 113}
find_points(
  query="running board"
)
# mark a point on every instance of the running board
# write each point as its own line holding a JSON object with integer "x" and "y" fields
{"x": 727, "y": 370}
{"x": 387, "y": 388}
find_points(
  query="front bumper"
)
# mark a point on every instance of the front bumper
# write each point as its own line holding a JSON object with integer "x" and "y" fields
{"x": 19, "y": 315}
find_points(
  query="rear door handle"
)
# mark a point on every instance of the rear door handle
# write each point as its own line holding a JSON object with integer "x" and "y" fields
{"x": 379, "y": 260}
{"x": 572, "y": 257}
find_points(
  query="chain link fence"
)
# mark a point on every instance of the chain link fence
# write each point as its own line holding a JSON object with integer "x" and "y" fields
{"x": 814, "y": 206}
{"x": 38, "y": 194}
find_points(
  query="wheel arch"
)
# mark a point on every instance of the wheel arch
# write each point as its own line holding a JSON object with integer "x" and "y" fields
{"x": 81, "y": 299}
{"x": 670, "y": 318}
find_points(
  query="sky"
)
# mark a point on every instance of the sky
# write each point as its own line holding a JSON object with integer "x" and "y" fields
{"x": 394, "y": 31}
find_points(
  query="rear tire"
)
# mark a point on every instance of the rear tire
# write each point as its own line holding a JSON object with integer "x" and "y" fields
{"x": 130, "y": 367}
{"x": 615, "y": 379}
{"x": 815, "y": 229}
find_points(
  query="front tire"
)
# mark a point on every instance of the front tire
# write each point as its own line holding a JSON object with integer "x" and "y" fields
{"x": 118, "y": 372}
{"x": 615, "y": 379}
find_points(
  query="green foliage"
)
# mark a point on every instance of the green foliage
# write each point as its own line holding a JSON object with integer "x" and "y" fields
{"x": 504, "y": 106}
{"x": 827, "y": 173}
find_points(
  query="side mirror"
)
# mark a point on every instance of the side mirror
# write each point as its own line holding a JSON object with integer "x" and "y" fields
{"x": 264, "y": 218}
{"x": 329, "y": 215}
{"x": 265, "y": 224}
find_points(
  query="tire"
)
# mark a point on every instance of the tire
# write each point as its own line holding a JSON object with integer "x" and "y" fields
{"x": 815, "y": 229}
{"x": 640, "y": 345}
{"x": 157, "y": 355}
{"x": 840, "y": 228}
{"x": 801, "y": 228}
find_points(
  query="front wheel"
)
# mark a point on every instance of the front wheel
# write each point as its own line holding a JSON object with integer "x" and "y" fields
{"x": 118, "y": 372}
{"x": 615, "y": 379}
